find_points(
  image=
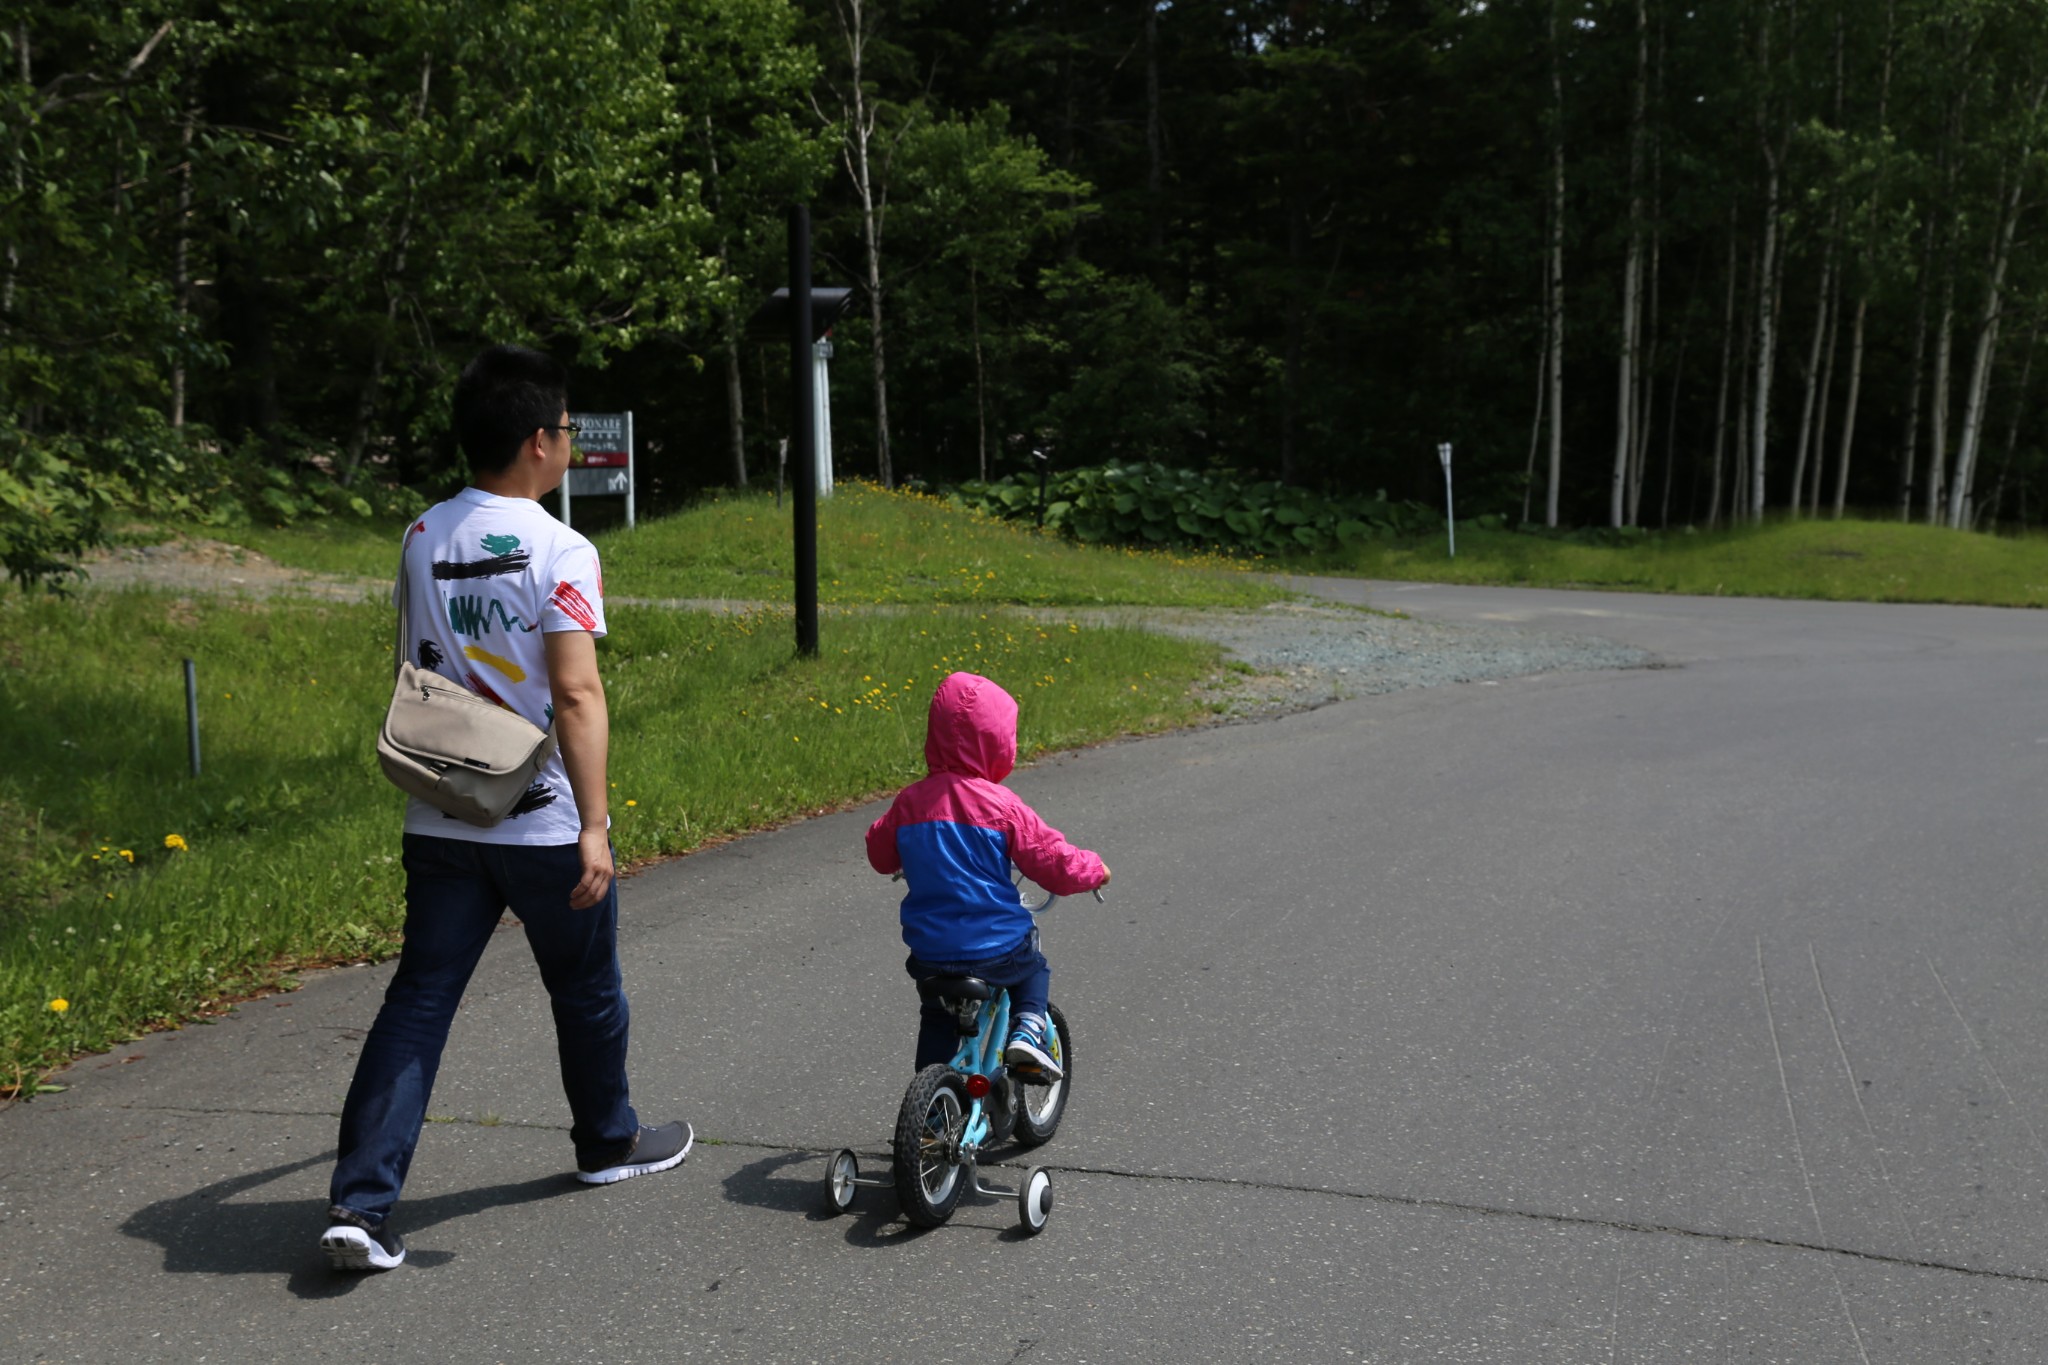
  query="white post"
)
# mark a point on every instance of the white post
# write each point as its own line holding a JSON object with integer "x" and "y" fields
{"x": 632, "y": 469}
{"x": 1443, "y": 452}
{"x": 566, "y": 476}
{"x": 821, "y": 403}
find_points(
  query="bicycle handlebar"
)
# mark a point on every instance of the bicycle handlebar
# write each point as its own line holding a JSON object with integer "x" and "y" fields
{"x": 1050, "y": 897}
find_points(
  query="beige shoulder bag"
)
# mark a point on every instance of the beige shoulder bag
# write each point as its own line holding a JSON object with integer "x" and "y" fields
{"x": 451, "y": 748}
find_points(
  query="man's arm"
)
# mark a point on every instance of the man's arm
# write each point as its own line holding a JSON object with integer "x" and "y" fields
{"x": 583, "y": 727}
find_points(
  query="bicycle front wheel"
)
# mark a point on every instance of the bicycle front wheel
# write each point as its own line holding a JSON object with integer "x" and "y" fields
{"x": 1040, "y": 1107}
{"x": 930, "y": 1175}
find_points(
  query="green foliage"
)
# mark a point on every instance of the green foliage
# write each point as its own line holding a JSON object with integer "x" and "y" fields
{"x": 1843, "y": 561}
{"x": 1152, "y": 504}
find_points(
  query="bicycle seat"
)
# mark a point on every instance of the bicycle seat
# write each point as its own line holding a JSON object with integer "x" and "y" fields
{"x": 954, "y": 988}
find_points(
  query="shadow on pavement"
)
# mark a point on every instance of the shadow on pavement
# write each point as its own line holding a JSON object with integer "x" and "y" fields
{"x": 209, "y": 1232}
{"x": 794, "y": 1182}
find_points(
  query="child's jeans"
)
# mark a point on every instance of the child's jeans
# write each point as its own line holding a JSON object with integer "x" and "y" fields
{"x": 1022, "y": 971}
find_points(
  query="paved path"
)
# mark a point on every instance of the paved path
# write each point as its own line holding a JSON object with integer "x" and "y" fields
{"x": 1683, "y": 1012}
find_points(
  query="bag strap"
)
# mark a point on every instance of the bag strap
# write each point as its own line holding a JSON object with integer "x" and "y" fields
{"x": 404, "y": 601}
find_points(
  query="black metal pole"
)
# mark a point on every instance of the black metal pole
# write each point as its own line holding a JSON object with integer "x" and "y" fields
{"x": 192, "y": 714}
{"x": 803, "y": 430}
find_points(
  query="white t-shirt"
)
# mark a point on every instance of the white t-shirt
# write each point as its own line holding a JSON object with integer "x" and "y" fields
{"x": 490, "y": 576}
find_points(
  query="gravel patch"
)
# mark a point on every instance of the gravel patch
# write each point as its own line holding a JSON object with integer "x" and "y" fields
{"x": 1303, "y": 655}
{"x": 211, "y": 566}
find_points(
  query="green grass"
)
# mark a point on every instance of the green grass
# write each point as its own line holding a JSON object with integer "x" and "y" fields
{"x": 290, "y": 835}
{"x": 1858, "y": 561}
{"x": 874, "y": 546}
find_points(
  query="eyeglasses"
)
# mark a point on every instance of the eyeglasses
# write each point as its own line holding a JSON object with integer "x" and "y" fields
{"x": 573, "y": 428}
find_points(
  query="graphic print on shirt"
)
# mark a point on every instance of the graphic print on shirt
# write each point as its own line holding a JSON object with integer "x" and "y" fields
{"x": 429, "y": 655}
{"x": 536, "y": 796}
{"x": 469, "y": 615}
{"x": 505, "y": 557}
{"x": 574, "y": 605}
{"x": 483, "y": 689}
{"x": 505, "y": 666}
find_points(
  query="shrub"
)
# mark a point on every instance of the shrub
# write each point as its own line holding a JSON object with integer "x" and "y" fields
{"x": 1153, "y": 504}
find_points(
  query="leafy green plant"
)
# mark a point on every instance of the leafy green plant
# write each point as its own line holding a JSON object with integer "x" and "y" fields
{"x": 1154, "y": 504}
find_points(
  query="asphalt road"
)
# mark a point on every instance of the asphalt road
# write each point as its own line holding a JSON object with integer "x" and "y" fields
{"x": 1685, "y": 1012}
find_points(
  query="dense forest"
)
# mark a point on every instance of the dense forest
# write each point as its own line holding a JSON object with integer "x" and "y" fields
{"x": 1643, "y": 263}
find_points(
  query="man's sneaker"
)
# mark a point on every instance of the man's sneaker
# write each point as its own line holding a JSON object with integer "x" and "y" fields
{"x": 653, "y": 1149}
{"x": 352, "y": 1244}
{"x": 1028, "y": 1048}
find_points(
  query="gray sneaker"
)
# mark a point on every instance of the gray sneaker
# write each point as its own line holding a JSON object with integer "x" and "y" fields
{"x": 352, "y": 1244}
{"x": 653, "y": 1149}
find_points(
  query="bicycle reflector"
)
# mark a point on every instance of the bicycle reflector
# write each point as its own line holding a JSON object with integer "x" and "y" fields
{"x": 977, "y": 1087}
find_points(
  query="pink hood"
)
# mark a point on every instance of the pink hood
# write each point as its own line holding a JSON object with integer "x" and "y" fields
{"x": 972, "y": 730}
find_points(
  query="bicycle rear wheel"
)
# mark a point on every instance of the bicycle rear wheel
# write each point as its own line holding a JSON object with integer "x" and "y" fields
{"x": 930, "y": 1175}
{"x": 1041, "y": 1106}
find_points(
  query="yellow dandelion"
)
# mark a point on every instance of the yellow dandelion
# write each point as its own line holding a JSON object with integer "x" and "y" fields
{"x": 632, "y": 803}
{"x": 129, "y": 854}
{"x": 175, "y": 842}
{"x": 60, "y": 1004}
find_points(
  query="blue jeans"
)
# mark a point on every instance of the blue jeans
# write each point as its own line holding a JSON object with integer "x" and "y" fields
{"x": 455, "y": 891}
{"x": 1023, "y": 972}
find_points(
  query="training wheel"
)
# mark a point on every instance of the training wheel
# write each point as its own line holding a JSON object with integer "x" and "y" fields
{"x": 1034, "y": 1200}
{"x": 840, "y": 1179}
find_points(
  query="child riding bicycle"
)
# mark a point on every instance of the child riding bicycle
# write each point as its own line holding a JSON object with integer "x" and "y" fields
{"x": 953, "y": 835}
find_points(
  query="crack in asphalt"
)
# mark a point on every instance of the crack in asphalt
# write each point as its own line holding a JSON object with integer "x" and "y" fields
{"x": 1404, "y": 1201}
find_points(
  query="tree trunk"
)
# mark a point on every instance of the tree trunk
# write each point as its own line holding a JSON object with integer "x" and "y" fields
{"x": 855, "y": 28}
{"x": 735, "y": 401}
{"x": 1766, "y": 345}
{"x": 366, "y": 401}
{"x": 1646, "y": 399}
{"x": 735, "y": 391}
{"x": 1987, "y": 326}
{"x": 1937, "y": 417}
{"x": 1721, "y": 401}
{"x": 1811, "y": 375}
{"x": 1827, "y": 387}
{"x": 181, "y": 268}
{"x": 2012, "y": 431}
{"x": 1909, "y": 452}
{"x": 1671, "y": 435}
{"x": 1542, "y": 388}
{"x": 1769, "y": 271}
{"x": 1155, "y": 156}
{"x": 1631, "y": 286}
{"x": 1849, "y": 407}
{"x": 1290, "y": 358}
{"x": 1556, "y": 276}
{"x": 20, "y": 178}
{"x": 980, "y": 373}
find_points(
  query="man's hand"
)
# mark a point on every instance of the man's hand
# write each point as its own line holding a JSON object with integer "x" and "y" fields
{"x": 1105, "y": 877}
{"x": 594, "y": 847}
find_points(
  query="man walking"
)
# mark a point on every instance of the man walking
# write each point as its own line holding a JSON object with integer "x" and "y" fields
{"x": 508, "y": 602}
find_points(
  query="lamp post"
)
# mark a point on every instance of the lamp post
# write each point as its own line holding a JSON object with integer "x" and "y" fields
{"x": 1443, "y": 453}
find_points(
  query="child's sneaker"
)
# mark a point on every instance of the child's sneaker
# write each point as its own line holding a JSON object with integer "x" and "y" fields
{"x": 352, "y": 1244}
{"x": 1028, "y": 1047}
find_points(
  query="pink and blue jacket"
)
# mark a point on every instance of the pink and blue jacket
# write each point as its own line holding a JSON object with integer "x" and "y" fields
{"x": 954, "y": 834}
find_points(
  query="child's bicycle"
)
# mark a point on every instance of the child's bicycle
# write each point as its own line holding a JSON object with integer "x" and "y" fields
{"x": 955, "y": 1110}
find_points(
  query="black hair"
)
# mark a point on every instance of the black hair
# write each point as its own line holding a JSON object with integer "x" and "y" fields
{"x": 503, "y": 397}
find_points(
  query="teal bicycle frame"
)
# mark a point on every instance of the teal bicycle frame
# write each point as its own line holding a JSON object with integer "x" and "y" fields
{"x": 982, "y": 1055}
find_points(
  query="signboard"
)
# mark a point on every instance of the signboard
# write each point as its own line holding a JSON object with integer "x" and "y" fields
{"x": 602, "y": 462}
